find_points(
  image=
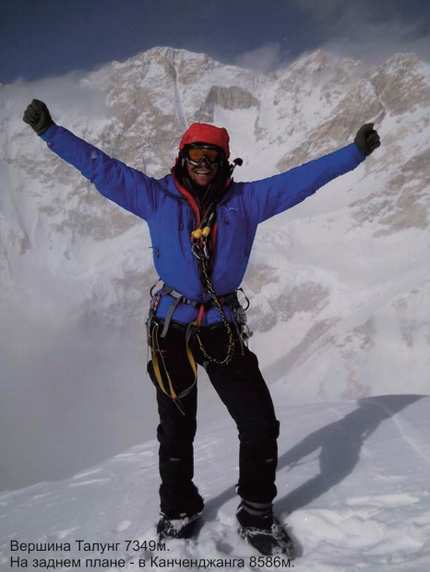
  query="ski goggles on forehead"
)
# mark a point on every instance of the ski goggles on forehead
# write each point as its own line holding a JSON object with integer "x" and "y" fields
{"x": 197, "y": 153}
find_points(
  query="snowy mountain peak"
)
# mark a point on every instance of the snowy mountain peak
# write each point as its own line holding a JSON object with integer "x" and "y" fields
{"x": 403, "y": 84}
{"x": 324, "y": 276}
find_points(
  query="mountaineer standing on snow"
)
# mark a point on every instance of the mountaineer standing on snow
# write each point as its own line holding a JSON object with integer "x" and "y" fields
{"x": 202, "y": 227}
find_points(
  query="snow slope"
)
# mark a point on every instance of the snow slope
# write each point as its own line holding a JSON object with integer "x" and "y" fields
{"x": 353, "y": 491}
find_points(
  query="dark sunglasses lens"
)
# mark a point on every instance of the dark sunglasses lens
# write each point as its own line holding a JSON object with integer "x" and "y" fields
{"x": 196, "y": 154}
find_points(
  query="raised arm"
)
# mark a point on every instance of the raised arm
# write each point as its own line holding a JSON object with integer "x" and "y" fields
{"x": 124, "y": 185}
{"x": 281, "y": 192}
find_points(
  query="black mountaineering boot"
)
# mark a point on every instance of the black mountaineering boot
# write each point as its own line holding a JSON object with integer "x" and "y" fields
{"x": 259, "y": 527}
{"x": 180, "y": 526}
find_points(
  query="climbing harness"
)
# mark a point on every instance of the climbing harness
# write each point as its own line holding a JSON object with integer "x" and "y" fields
{"x": 157, "y": 330}
{"x": 158, "y": 364}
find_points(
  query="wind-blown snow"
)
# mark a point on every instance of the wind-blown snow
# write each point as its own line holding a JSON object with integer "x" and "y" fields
{"x": 353, "y": 492}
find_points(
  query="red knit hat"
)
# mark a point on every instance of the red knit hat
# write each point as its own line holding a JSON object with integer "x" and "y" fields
{"x": 209, "y": 134}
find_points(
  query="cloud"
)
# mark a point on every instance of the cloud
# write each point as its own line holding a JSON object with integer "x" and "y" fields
{"x": 66, "y": 384}
{"x": 263, "y": 59}
{"x": 73, "y": 396}
{"x": 376, "y": 43}
{"x": 368, "y": 30}
{"x": 71, "y": 92}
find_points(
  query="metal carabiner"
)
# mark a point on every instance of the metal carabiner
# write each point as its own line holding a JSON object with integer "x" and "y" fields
{"x": 196, "y": 250}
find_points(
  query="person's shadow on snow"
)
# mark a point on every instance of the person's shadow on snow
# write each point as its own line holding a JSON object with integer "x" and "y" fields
{"x": 339, "y": 445}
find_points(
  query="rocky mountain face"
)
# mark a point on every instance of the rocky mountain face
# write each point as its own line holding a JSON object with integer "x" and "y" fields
{"x": 340, "y": 286}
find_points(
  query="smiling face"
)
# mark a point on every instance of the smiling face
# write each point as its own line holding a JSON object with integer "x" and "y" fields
{"x": 202, "y": 160}
{"x": 202, "y": 174}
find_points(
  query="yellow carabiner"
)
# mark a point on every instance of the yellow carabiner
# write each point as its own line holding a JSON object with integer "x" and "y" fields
{"x": 197, "y": 234}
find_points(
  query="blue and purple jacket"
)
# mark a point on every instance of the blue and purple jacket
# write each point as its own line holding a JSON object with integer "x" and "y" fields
{"x": 172, "y": 214}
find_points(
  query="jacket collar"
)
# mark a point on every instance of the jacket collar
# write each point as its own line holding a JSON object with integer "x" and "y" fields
{"x": 188, "y": 196}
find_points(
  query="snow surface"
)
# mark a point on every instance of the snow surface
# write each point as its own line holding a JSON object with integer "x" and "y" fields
{"x": 353, "y": 492}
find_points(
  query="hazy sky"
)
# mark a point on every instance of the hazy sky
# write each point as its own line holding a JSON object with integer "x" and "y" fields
{"x": 51, "y": 37}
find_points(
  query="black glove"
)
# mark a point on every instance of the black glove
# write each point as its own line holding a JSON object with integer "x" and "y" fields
{"x": 38, "y": 117}
{"x": 367, "y": 139}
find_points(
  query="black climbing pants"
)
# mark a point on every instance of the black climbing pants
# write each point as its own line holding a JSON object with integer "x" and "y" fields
{"x": 242, "y": 389}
